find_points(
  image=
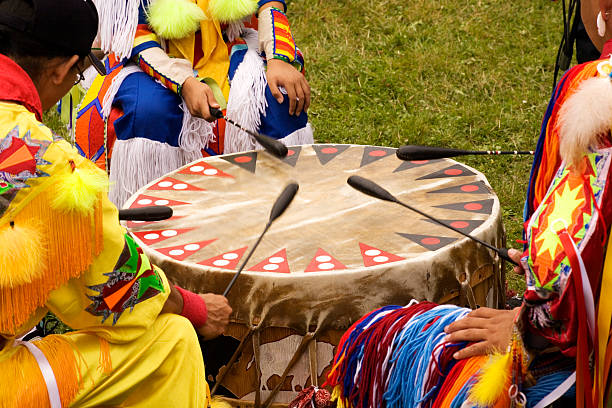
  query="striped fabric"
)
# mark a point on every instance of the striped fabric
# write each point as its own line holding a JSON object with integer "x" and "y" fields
{"x": 151, "y": 71}
{"x": 284, "y": 45}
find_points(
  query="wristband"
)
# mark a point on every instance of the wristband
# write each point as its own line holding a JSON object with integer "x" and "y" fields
{"x": 194, "y": 307}
{"x": 275, "y": 38}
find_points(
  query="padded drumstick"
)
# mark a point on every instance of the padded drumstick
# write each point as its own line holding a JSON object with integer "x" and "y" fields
{"x": 281, "y": 204}
{"x": 372, "y": 189}
{"x": 416, "y": 152}
{"x": 152, "y": 213}
{"x": 270, "y": 144}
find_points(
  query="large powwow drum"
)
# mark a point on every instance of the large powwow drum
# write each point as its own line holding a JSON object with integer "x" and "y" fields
{"x": 334, "y": 255}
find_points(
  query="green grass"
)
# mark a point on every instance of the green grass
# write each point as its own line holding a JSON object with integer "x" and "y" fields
{"x": 471, "y": 74}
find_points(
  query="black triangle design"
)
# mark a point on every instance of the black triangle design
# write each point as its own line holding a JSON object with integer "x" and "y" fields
{"x": 429, "y": 242}
{"x": 407, "y": 165}
{"x": 373, "y": 153}
{"x": 293, "y": 153}
{"x": 470, "y": 188}
{"x": 480, "y": 207}
{"x": 452, "y": 171}
{"x": 466, "y": 226}
{"x": 247, "y": 161}
{"x": 326, "y": 153}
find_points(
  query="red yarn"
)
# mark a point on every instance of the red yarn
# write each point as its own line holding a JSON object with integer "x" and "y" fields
{"x": 194, "y": 307}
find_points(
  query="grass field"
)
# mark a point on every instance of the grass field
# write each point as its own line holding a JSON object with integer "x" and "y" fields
{"x": 471, "y": 74}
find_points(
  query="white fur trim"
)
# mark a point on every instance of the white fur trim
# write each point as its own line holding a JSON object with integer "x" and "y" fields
{"x": 584, "y": 118}
{"x": 137, "y": 162}
{"x": 247, "y": 97}
{"x": 196, "y": 133}
{"x": 118, "y": 20}
{"x": 303, "y": 136}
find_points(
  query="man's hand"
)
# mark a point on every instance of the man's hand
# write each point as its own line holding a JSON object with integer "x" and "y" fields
{"x": 490, "y": 329}
{"x": 281, "y": 73}
{"x": 219, "y": 312}
{"x": 515, "y": 255}
{"x": 199, "y": 98}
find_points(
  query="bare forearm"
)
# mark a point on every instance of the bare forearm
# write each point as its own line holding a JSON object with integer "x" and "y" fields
{"x": 174, "y": 303}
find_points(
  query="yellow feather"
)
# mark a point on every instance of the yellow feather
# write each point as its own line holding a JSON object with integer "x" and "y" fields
{"x": 228, "y": 11}
{"x": 218, "y": 402}
{"x": 79, "y": 190}
{"x": 22, "y": 254}
{"x": 175, "y": 19}
{"x": 493, "y": 380}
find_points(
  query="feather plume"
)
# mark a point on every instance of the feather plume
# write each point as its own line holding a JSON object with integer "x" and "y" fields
{"x": 585, "y": 118}
{"x": 493, "y": 381}
{"x": 22, "y": 252}
{"x": 218, "y": 402}
{"x": 78, "y": 189}
{"x": 175, "y": 19}
{"x": 227, "y": 11}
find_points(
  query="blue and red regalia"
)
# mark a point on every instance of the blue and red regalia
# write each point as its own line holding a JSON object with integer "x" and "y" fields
{"x": 133, "y": 121}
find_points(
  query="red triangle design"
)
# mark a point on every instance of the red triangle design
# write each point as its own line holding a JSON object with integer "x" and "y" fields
{"x": 153, "y": 237}
{"x": 201, "y": 168}
{"x": 273, "y": 263}
{"x": 227, "y": 260}
{"x": 171, "y": 184}
{"x": 322, "y": 262}
{"x": 147, "y": 200}
{"x": 373, "y": 256}
{"x": 136, "y": 224}
{"x": 182, "y": 252}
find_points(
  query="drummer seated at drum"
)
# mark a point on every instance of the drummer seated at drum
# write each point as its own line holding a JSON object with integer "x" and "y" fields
{"x": 568, "y": 215}
{"x": 62, "y": 248}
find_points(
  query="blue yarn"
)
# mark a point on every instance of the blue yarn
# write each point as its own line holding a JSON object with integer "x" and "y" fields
{"x": 353, "y": 360}
{"x": 412, "y": 350}
{"x": 546, "y": 384}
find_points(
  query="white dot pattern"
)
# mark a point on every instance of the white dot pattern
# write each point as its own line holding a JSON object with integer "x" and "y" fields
{"x": 276, "y": 260}
{"x": 271, "y": 267}
{"x": 381, "y": 259}
{"x": 372, "y": 252}
{"x": 221, "y": 262}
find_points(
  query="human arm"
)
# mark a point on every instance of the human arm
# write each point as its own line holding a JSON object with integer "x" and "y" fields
{"x": 277, "y": 42}
{"x": 176, "y": 74}
{"x": 488, "y": 329}
{"x": 213, "y": 309}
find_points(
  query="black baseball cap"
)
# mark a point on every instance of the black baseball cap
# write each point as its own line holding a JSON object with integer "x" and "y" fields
{"x": 69, "y": 26}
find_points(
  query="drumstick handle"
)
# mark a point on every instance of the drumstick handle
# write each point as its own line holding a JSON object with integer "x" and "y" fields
{"x": 270, "y": 144}
{"x": 229, "y": 286}
{"x": 503, "y": 252}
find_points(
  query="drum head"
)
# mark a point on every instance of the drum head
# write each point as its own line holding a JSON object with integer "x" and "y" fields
{"x": 331, "y": 236}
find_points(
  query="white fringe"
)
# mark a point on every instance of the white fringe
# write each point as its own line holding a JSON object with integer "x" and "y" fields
{"x": 109, "y": 97}
{"x": 247, "y": 98}
{"x": 196, "y": 133}
{"x": 234, "y": 30}
{"x": 301, "y": 136}
{"x": 584, "y": 118}
{"x": 117, "y": 25}
{"x": 137, "y": 162}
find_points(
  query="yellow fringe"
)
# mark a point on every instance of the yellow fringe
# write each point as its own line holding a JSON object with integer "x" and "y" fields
{"x": 105, "y": 363}
{"x": 72, "y": 241}
{"x": 22, "y": 383}
{"x": 22, "y": 254}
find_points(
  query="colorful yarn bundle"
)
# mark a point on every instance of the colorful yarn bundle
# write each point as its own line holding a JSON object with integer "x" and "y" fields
{"x": 398, "y": 357}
